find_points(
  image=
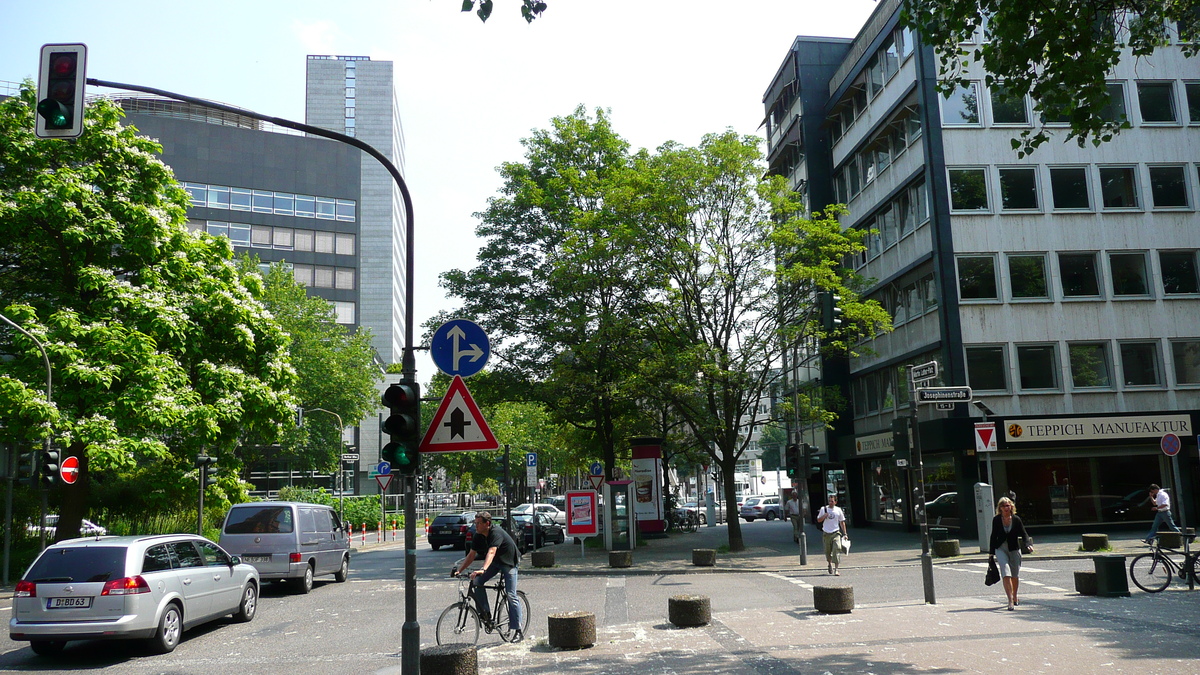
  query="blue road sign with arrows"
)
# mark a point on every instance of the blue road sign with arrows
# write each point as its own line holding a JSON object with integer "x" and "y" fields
{"x": 460, "y": 347}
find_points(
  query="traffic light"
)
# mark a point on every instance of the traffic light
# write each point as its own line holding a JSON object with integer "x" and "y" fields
{"x": 208, "y": 467}
{"x": 61, "y": 77}
{"x": 831, "y": 311}
{"x": 502, "y": 470}
{"x": 403, "y": 425}
{"x": 792, "y": 460}
{"x": 429, "y": 483}
{"x": 50, "y": 465}
{"x": 900, "y": 445}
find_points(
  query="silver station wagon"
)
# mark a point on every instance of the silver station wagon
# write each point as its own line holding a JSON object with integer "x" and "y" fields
{"x": 151, "y": 588}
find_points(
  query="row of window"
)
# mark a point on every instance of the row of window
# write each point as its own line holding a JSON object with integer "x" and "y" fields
{"x": 1079, "y": 274}
{"x": 324, "y": 276}
{"x": 344, "y": 310}
{"x": 885, "y": 389}
{"x": 884, "y": 64}
{"x": 279, "y": 238}
{"x": 1157, "y": 104}
{"x": 906, "y": 302}
{"x": 266, "y": 201}
{"x": 1091, "y": 365}
{"x": 351, "y": 94}
{"x": 865, "y": 166}
{"x": 1072, "y": 188}
{"x": 903, "y": 214}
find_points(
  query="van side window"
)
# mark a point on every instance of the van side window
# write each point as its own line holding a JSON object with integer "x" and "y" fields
{"x": 259, "y": 520}
{"x": 157, "y": 559}
{"x": 308, "y": 519}
{"x": 324, "y": 524}
{"x": 337, "y": 522}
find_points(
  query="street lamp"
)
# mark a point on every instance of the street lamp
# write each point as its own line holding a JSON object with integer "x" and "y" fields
{"x": 341, "y": 471}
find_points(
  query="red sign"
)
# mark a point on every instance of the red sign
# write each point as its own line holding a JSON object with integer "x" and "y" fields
{"x": 582, "y": 519}
{"x": 69, "y": 470}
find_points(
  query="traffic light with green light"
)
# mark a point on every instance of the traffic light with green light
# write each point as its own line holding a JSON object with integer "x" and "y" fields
{"x": 61, "y": 78}
{"x": 403, "y": 426}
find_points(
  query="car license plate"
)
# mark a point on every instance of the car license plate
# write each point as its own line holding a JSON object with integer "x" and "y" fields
{"x": 256, "y": 558}
{"x": 68, "y": 603}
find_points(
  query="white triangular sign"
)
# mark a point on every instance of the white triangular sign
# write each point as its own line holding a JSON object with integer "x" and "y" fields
{"x": 985, "y": 436}
{"x": 458, "y": 425}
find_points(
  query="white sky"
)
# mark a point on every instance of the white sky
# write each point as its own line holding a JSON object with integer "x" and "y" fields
{"x": 468, "y": 91}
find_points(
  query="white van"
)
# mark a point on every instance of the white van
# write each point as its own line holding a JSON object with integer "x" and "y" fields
{"x": 288, "y": 541}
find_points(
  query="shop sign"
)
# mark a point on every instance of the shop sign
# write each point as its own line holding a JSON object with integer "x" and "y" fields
{"x": 1041, "y": 430}
{"x": 875, "y": 444}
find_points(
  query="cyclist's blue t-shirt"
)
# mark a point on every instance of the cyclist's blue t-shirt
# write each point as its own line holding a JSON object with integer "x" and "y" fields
{"x": 506, "y": 549}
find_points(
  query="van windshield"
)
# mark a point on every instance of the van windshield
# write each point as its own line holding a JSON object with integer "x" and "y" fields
{"x": 259, "y": 520}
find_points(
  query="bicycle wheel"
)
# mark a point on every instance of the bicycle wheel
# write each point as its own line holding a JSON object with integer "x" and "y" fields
{"x": 458, "y": 625}
{"x": 692, "y": 524}
{"x": 1150, "y": 572}
{"x": 501, "y": 613}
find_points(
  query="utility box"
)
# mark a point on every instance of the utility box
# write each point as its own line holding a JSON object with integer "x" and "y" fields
{"x": 1111, "y": 581}
{"x": 985, "y": 510}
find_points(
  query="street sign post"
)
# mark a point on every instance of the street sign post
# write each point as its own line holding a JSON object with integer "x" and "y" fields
{"x": 925, "y": 371}
{"x": 943, "y": 394}
{"x": 459, "y": 347}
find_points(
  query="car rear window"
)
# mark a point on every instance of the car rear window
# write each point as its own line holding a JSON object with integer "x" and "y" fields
{"x": 85, "y": 563}
{"x": 259, "y": 520}
{"x": 448, "y": 520}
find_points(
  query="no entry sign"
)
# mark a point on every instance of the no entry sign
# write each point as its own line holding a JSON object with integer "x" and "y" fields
{"x": 69, "y": 470}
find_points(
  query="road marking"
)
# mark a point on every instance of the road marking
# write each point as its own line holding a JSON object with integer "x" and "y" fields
{"x": 791, "y": 580}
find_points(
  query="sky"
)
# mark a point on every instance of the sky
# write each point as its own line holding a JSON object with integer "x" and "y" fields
{"x": 468, "y": 91}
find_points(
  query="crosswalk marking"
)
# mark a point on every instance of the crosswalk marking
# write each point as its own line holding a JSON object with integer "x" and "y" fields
{"x": 791, "y": 580}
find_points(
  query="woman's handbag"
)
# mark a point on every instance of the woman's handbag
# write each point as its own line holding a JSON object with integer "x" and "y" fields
{"x": 1027, "y": 545}
{"x": 993, "y": 573}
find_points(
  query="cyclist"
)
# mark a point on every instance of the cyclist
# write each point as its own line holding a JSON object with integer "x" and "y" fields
{"x": 500, "y": 556}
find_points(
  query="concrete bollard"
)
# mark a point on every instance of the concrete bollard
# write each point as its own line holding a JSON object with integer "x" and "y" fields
{"x": 704, "y": 557}
{"x": 945, "y": 548}
{"x": 1095, "y": 542}
{"x": 689, "y": 610}
{"x": 1085, "y": 582}
{"x": 833, "y": 599}
{"x": 620, "y": 558}
{"x": 571, "y": 630}
{"x": 543, "y": 558}
{"x": 449, "y": 660}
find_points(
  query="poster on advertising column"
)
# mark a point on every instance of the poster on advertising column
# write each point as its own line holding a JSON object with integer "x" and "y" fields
{"x": 647, "y": 484}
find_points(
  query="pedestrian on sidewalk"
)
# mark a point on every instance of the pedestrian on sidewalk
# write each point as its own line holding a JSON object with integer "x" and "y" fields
{"x": 792, "y": 508}
{"x": 1162, "y": 512}
{"x": 1008, "y": 533}
{"x": 833, "y": 527}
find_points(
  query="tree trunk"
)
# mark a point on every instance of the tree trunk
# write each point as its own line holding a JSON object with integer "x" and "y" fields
{"x": 731, "y": 510}
{"x": 73, "y": 499}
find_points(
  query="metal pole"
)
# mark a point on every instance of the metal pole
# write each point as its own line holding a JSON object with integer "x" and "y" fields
{"x": 341, "y": 474}
{"x": 926, "y": 558}
{"x": 200, "y": 506}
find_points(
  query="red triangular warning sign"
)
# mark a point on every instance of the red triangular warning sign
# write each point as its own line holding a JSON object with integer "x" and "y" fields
{"x": 985, "y": 436}
{"x": 458, "y": 425}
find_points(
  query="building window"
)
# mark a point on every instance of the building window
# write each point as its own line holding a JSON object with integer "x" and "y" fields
{"x": 1038, "y": 365}
{"x": 343, "y": 278}
{"x": 1186, "y": 357}
{"x": 260, "y": 236}
{"x": 285, "y": 203}
{"x": 1018, "y": 189}
{"x": 240, "y": 199}
{"x": 197, "y": 193}
{"x": 306, "y": 206}
{"x": 977, "y": 278}
{"x": 303, "y": 274}
{"x": 264, "y": 202}
{"x": 961, "y": 107}
{"x": 281, "y": 238}
{"x": 344, "y": 312}
{"x": 1008, "y": 109}
{"x": 323, "y": 276}
{"x": 303, "y": 240}
{"x": 1079, "y": 278}
{"x": 326, "y": 208}
{"x": 239, "y": 234}
{"x": 1193, "y": 101}
{"x": 986, "y": 370}
{"x": 1168, "y": 187}
{"x": 218, "y": 197}
{"x": 1118, "y": 187}
{"x": 1179, "y": 272}
{"x": 1128, "y": 274}
{"x": 968, "y": 190}
{"x": 1156, "y": 100}
{"x": 1140, "y": 364}
{"x": 345, "y": 244}
{"x": 1115, "y": 110}
{"x": 345, "y": 210}
{"x": 324, "y": 242}
{"x": 1027, "y": 276}
{"x": 1089, "y": 365}
{"x": 1068, "y": 184}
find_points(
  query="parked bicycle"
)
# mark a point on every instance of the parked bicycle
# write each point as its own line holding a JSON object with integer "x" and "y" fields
{"x": 460, "y": 622}
{"x": 687, "y": 521}
{"x": 1152, "y": 571}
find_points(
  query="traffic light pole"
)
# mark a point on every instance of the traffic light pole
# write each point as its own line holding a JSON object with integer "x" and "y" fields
{"x": 919, "y": 467}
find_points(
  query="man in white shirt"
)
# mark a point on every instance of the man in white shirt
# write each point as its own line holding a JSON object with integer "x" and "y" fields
{"x": 1162, "y": 512}
{"x": 833, "y": 527}
{"x": 793, "y": 513}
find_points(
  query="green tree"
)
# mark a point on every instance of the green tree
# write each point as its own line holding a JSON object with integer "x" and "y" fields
{"x": 530, "y": 9}
{"x": 160, "y": 347}
{"x": 1057, "y": 51}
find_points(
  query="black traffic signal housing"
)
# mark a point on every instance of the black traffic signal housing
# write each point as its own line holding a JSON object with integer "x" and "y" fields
{"x": 502, "y": 469}
{"x": 62, "y": 73}
{"x": 792, "y": 460}
{"x": 429, "y": 483}
{"x": 901, "y": 448}
{"x": 831, "y": 311}
{"x": 208, "y": 467}
{"x": 403, "y": 426}
{"x": 50, "y": 465}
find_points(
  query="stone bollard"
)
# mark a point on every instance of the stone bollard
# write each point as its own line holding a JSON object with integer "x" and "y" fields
{"x": 1170, "y": 540}
{"x": 945, "y": 548}
{"x": 704, "y": 557}
{"x": 543, "y": 558}
{"x": 1095, "y": 542}
{"x": 572, "y": 630}
{"x": 689, "y": 610}
{"x": 449, "y": 660}
{"x": 1085, "y": 582}
{"x": 620, "y": 558}
{"x": 833, "y": 599}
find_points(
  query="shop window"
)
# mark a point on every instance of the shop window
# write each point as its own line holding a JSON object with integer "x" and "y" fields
{"x": 1128, "y": 273}
{"x": 1193, "y": 101}
{"x": 977, "y": 277}
{"x": 1027, "y": 276}
{"x": 961, "y": 107}
{"x": 986, "y": 370}
{"x": 1156, "y": 100}
{"x": 1179, "y": 272}
{"x": 1018, "y": 189}
{"x": 1118, "y": 187}
{"x": 1140, "y": 364}
{"x": 1068, "y": 185}
{"x": 1038, "y": 365}
{"x": 968, "y": 190}
{"x": 1186, "y": 356}
{"x": 1168, "y": 187}
{"x": 1008, "y": 109}
{"x": 1079, "y": 275}
{"x": 885, "y": 491}
{"x": 1114, "y": 110}
{"x": 1089, "y": 365}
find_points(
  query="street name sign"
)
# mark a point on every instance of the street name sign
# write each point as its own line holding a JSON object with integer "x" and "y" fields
{"x": 350, "y": 457}
{"x": 459, "y": 347}
{"x": 925, "y": 371}
{"x": 943, "y": 394}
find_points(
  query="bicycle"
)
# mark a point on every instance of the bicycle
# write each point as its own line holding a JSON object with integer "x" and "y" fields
{"x": 684, "y": 521}
{"x": 460, "y": 623}
{"x": 1152, "y": 571}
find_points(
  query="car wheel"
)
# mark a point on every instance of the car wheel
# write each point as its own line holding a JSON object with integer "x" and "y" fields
{"x": 170, "y": 628}
{"x": 703, "y": 519}
{"x": 47, "y": 647}
{"x": 770, "y": 516}
{"x": 562, "y": 537}
{"x": 249, "y": 606}
{"x": 344, "y": 571}
{"x": 435, "y": 546}
{"x": 305, "y": 583}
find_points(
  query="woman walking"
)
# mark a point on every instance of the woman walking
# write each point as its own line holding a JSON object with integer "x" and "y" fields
{"x": 1008, "y": 534}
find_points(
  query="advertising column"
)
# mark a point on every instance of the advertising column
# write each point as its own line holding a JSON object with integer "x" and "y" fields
{"x": 647, "y": 484}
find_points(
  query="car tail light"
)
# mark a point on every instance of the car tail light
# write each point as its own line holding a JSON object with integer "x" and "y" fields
{"x": 295, "y": 558}
{"x": 26, "y": 589}
{"x": 126, "y": 586}
{"x": 758, "y": 508}
{"x": 463, "y": 529}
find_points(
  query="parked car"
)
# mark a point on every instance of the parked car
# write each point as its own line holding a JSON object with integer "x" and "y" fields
{"x": 943, "y": 506}
{"x": 702, "y": 511}
{"x": 558, "y": 501}
{"x": 547, "y": 531}
{"x": 1132, "y": 506}
{"x": 761, "y": 507}
{"x": 151, "y": 588}
{"x": 556, "y": 514}
{"x": 451, "y": 528}
{"x": 523, "y": 544}
{"x": 289, "y": 541}
{"x": 86, "y": 528}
